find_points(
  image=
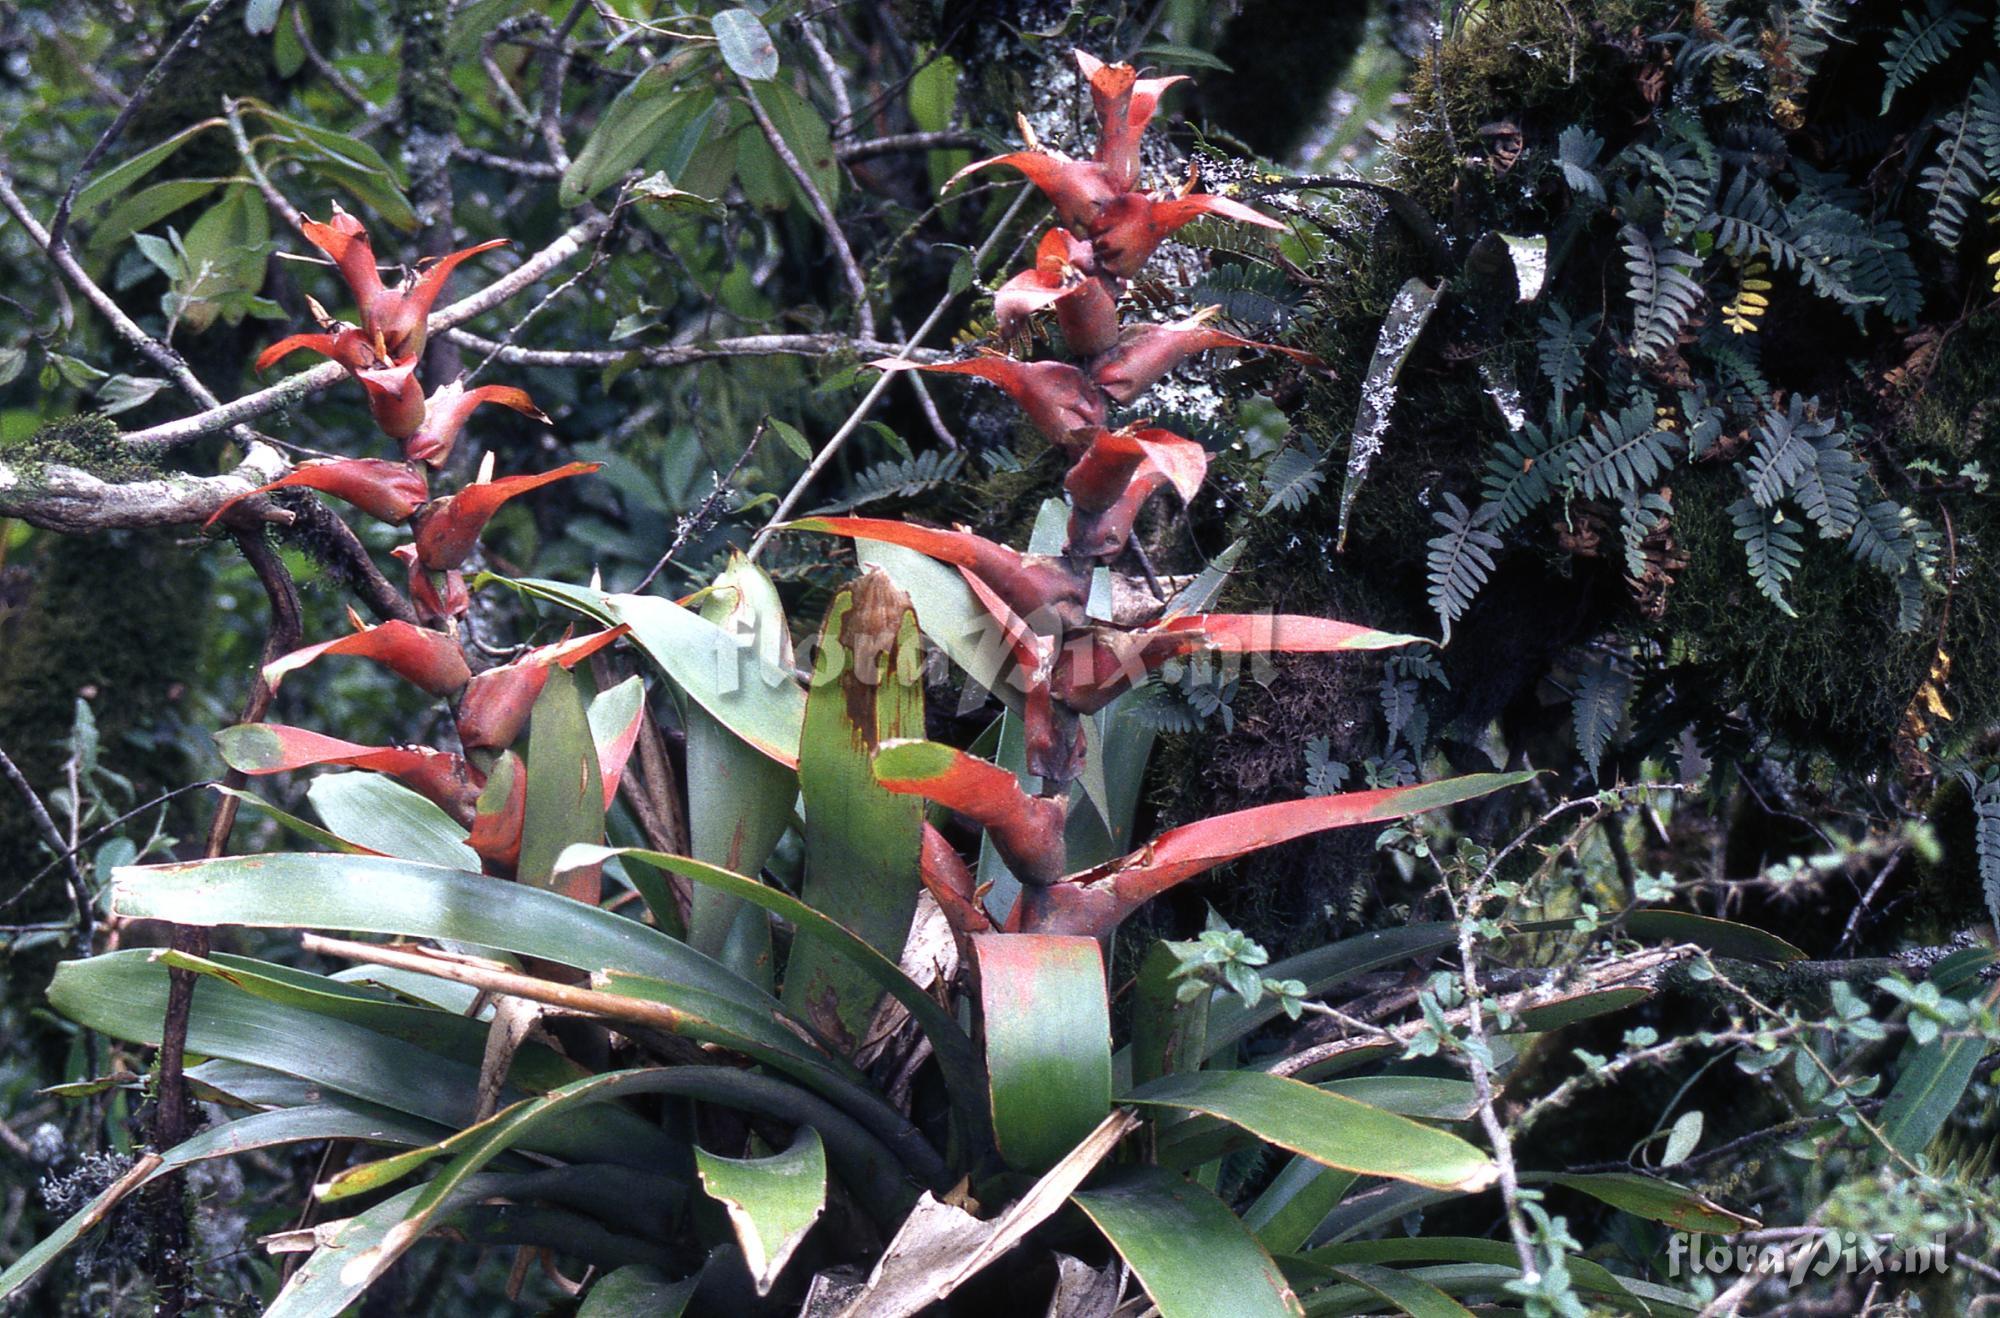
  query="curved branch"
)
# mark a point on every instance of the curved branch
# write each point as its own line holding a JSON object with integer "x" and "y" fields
{"x": 297, "y": 388}
{"x": 754, "y": 345}
{"x": 75, "y": 502}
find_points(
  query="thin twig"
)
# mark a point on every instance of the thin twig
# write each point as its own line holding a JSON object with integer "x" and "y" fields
{"x": 84, "y": 926}
{"x": 190, "y": 37}
{"x": 831, "y": 448}
{"x": 297, "y": 388}
{"x": 946, "y": 140}
{"x": 325, "y": 68}
{"x": 755, "y": 345}
{"x": 857, "y": 284}
{"x": 703, "y": 514}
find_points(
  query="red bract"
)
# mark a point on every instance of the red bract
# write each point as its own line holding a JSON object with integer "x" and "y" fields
{"x": 950, "y": 882}
{"x": 1117, "y": 474}
{"x": 390, "y": 491}
{"x": 1080, "y": 190}
{"x": 261, "y": 748}
{"x": 450, "y": 527}
{"x": 395, "y": 399}
{"x": 1096, "y": 667}
{"x": 501, "y": 813}
{"x": 1125, "y": 103}
{"x": 1085, "y": 306}
{"x": 1055, "y": 395}
{"x": 446, "y": 412}
{"x": 437, "y": 596}
{"x": 396, "y": 319}
{"x": 1144, "y": 353}
{"x": 1037, "y": 589}
{"x": 1026, "y": 830}
{"x": 1129, "y": 229}
{"x": 424, "y": 658}
{"x": 1094, "y": 901}
{"x": 497, "y": 702}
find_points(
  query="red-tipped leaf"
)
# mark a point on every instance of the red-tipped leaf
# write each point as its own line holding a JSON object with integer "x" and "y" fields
{"x": 1026, "y": 830}
{"x": 446, "y": 412}
{"x": 1129, "y": 229}
{"x": 1080, "y": 190}
{"x": 949, "y": 880}
{"x": 261, "y": 748}
{"x": 500, "y": 813}
{"x": 429, "y": 660}
{"x": 388, "y": 491}
{"x": 1038, "y": 590}
{"x": 1145, "y": 353}
{"x": 1125, "y": 104}
{"x": 497, "y": 702}
{"x": 450, "y": 527}
{"x": 436, "y": 596}
{"x": 1058, "y": 399}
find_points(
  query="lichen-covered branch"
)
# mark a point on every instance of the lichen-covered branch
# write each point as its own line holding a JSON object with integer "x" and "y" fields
{"x": 71, "y": 500}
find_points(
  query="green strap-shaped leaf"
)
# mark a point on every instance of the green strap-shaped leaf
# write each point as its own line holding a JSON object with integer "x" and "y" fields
{"x": 1188, "y": 1250}
{"x": 1168, "y": 1035}
{"x": 1047, "y": 1020}
{"x": 1340, "y": 1132}
{"x": 740, "y": 801}
{"x": 760, "y": 703}
{"x": 374, "y": 894}
{"x": 953, "y": 1047}
{"x": 772, "y": 1202}
{"x": 124, "y": 994}
{"x": 1722, "y": 937}
{"x": 99, "y": 192}
{"x": 1655, "y": 1199}
{"x": 638, "y": 1291}
{"x": 326, "y": 1283}
{"x": 1298, "y": 1199}
{"x": 565, "y": 799}
{"x": 1410, "y": 1294}
{"x": 863, "y": 842}
{"x": 262, "y": 1130}
{"x": 1484, "y": 1278}
{"x": 1588, "y": 1276}
{"x": 382, "y": 815}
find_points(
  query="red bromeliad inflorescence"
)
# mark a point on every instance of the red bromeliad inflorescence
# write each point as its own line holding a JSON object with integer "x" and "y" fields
{"x": 1067, "y": 664}
{"x": 490, "y": 709}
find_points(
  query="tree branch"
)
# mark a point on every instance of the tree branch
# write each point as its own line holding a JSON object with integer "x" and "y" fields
{"x": 755, "y": 345}
{"x": 72, "y": 501}
{"x": 857, "y": 284}
{"x": 297, "y": 388}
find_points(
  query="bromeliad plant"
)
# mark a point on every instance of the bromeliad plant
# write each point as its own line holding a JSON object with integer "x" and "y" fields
{"x": 912, "y": 1056}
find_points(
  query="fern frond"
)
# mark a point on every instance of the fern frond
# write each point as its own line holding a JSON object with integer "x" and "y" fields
{"x": 1293, "y": 477}
{"x": 1684, "y": 184}
{"x": 1748, "y": 224}
{"x": 1701, "y": 420}
{"x": 1561, "y": 348}
{"x": 1771, "y": 542}
{"x": 1784, "y": 451}
{"x": 1884, "y": 273}
{"x": 1521, "y": 474}
{"x": 1882, "y": 539}
{"x": 1829, "y": 487}
{"x": 1751, "y": 300}
{"x": 1254, "y": 296}
{"x": 1577, "y": 149}
{"x": 1622, "y": 453}
{"x": 1641, "y": 515}
{"x": 1986, "y": 828}
{"x": 1955, "y": 179}
{"x": 900, "y": 478}
{"x": 1461, "y": 559}
{"x": 1663, "y": 293}
{"x": 1603, "y": 690}
{"x": 1921, "y": 41}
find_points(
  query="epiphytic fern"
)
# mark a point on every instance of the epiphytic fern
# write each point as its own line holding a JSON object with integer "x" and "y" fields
{"x": 1663, "y": 293}
{"x": 1771, "y": 541}
{"x": 1324, "y": 774}
{"x": 1883, "y": 539}
{"x": 1622, "y": 453}
{"x": 1294, "y": 476}
{"x": 1561, "y": 348}
{"x": 1577, "y": 149}
{"x": 1784, "y": 450}
{"x": 1603, "y": 690}
{"x": 1639, "y": 517}
{"x": 1884, "y": 273}
{"x": 1829, "y": 487}
{"x": 1683, "y": 182}
{"x": 1750, "y": 301}
{"x": 1701, "y": 419}
{"x": 1749, "y": 223}
{"x": 1955, "y": 179}
{"x": 1522, "y": 472}
{"x": 1921, "y": 40}
{"x": 1461, "y": 559}
{"x": 1986, "y": 837}
{"x": 900, "y": 478}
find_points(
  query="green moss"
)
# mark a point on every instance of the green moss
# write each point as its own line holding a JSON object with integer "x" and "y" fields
{"x": 90, "y": 443}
